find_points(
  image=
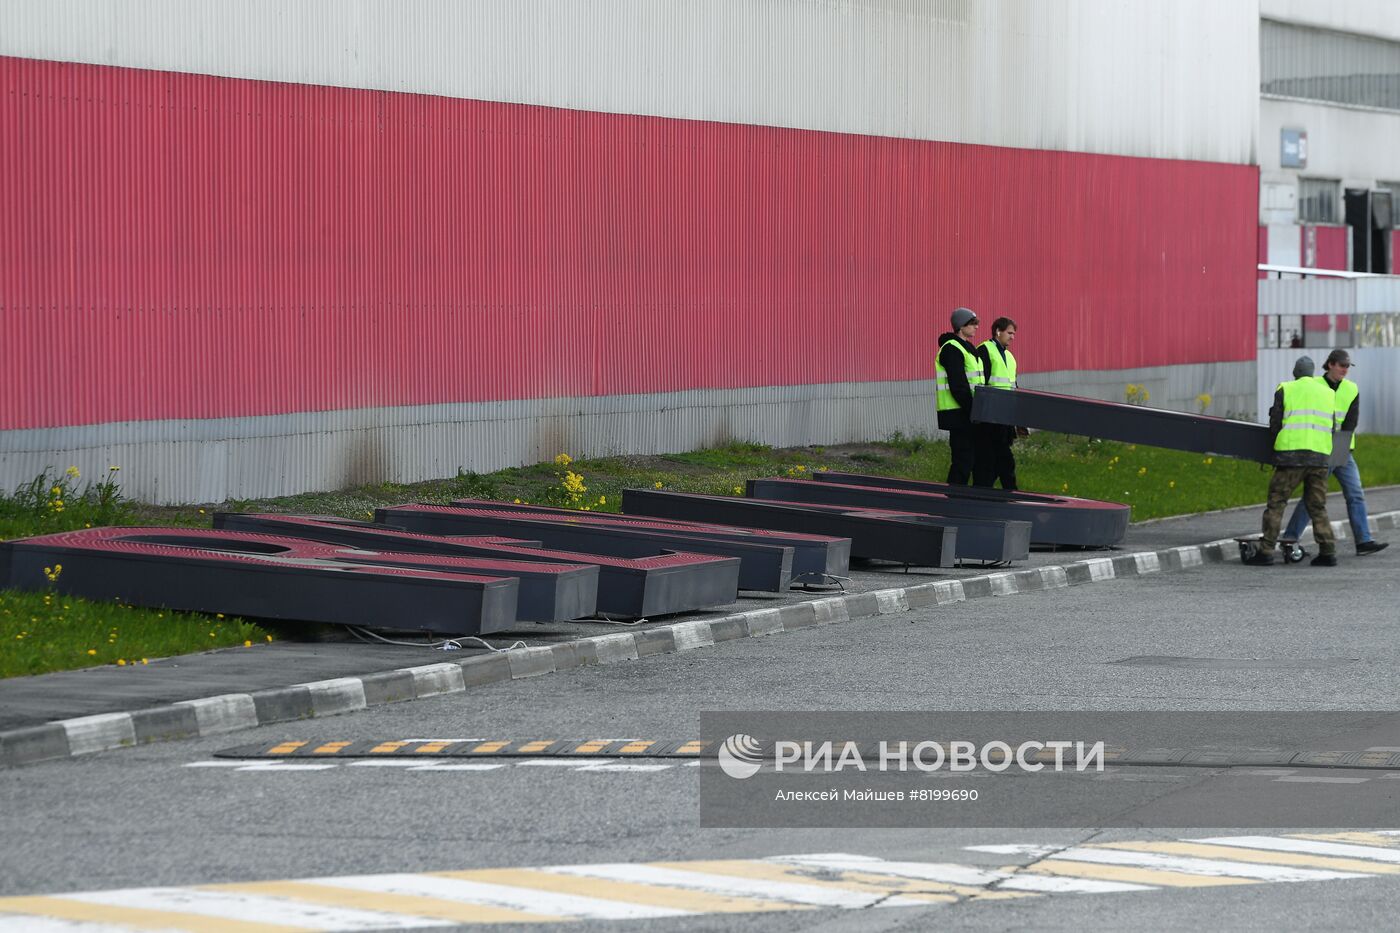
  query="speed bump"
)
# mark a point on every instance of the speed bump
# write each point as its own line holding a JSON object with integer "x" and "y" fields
{"x": 477, "y": 748}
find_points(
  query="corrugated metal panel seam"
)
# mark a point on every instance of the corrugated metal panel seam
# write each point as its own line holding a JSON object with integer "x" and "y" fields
{"x": 202, "y": 247}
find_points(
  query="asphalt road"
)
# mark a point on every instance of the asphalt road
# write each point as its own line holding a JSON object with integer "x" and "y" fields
{"x": 1214, "y": 638}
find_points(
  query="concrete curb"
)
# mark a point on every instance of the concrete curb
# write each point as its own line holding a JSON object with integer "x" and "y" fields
{"x": 232, "y": 712}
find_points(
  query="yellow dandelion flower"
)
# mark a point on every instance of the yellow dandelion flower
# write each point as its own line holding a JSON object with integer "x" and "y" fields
{"x": 656, "y": 485}
{"x": 121, "y": 662}
{"x": 269, "y": 638}
{"x": 738, "y": 490}
{"x": 143, "y": 660}
{"x": 800, "y": 468}
{"x": 1171, "y": 484}
{"x": 92, "y": 651}
{"x": 1142, "y": 471}
{"x": 517, "y": 500}
{"x": 73, "y": 472}
{"x": 563, "y": 460}
{"x": 602, "y": 500}
{"x": 247, "y": 644}
{"x": 201, "y": 511}
{"x": 218, "y": 615}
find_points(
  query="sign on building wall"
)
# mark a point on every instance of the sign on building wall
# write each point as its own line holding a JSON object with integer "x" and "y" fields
{"x": 1293, "y": 148}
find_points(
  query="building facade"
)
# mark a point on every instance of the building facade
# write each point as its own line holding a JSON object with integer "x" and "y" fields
{"x": 1329, "y": 126}
{"x": 252, "y": 249}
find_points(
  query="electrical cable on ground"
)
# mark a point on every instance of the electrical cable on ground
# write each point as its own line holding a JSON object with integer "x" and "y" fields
{"x": 447, "y": 644}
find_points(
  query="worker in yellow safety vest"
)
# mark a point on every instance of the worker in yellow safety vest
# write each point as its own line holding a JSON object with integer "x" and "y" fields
{"x": 1301, "y": 420}
{"x": 994, "y": 460}
{"x": 1348, "y": 406}
{"x": 958, "y": 370}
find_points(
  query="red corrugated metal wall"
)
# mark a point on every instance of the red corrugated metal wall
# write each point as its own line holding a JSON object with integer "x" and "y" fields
{"x": 1331, "y": 246}
{"x": 185, "y": 246}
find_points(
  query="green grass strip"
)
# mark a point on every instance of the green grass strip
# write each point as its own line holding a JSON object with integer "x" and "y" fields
{"x": 41, "y": 632}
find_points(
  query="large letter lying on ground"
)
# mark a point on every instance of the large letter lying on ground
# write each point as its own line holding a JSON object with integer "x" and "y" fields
{"x": 903, "y": 537}
{"x": 1134, "y": 424}
{"x": 813, "y": 554}
{"x": 762, "y": 566}
{"x": 1054, "y": 519}
{"x": 265, "y": 576}
{"x": 980, "y": 536}
{"x": 658, "y": 584}
{"x": 549, "y": 592}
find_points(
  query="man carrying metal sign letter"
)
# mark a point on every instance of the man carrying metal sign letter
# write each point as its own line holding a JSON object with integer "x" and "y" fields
{"x": 994, "y": 460}
{"x": 959, "y": 373}
{"x": 1348, "y": 401}
{"x": 1301, "y": 421}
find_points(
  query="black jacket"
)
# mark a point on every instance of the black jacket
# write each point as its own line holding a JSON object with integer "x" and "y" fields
{"x": 1290, "y": 458}
{"x": 954, "y": 364}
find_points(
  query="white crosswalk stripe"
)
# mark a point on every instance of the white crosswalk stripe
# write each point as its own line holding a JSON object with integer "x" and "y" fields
{"x": 1310, "y": 846}
{"x": 731, "y": 886}
{"x": 1197, "y": 866}
{"x": 656, "y": 891}
{"x": 948, "y": 873}
{"x": 499, "y": 895}
{"x": 255, "y": 908}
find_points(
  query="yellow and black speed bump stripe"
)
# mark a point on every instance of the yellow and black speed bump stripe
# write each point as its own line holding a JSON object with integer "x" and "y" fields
{"x": 487, "y": 748}
{"x": 870, "y": 752}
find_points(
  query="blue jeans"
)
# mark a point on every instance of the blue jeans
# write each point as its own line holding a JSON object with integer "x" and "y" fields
{"x": 1349, "y": 478}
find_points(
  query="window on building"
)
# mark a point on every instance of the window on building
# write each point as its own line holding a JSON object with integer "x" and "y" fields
{"x": 1317, "y": 200}
{"x": 1339, "y": 67}
{"x": 1394, "y": 188}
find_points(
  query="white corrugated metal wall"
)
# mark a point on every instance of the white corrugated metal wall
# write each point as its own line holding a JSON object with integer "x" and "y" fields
{"x": 1175, "y": 80}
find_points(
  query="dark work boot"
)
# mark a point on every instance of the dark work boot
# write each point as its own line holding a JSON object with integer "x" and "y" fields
{"x": 1325, "y": 560}
{"x": 1260, "y": 559}
{"x": 1370, "y": 547}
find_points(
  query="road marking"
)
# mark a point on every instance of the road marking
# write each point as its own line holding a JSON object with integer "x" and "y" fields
{"x": 1383, "y": 839}
{"x": 443, "y": 764}
{"x": 214, "y": 903}
{"x": 468, "y": 891}
{"x": 69, "y": 907}
{"x": 657, "y": 890}
{"x": 1316, "y": 779}
{"x": 50, "y": 925}
{"x": 962, "y": 874}
{"x": 876, "y": 887}
{"x": 1254, "y": 855}
{"x": 1127, "y": 874}
{"x": 331, "y": 892}
{"x": 1197, "y": 866}
{"x": 647, "y": 895}
{"x": 1312, "y": 846}
{"x": 668, "y": 876}
{"x": 1013, "y": 849}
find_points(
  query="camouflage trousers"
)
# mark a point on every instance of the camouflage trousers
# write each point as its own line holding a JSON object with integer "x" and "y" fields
{"x": 1281, "y": 486}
